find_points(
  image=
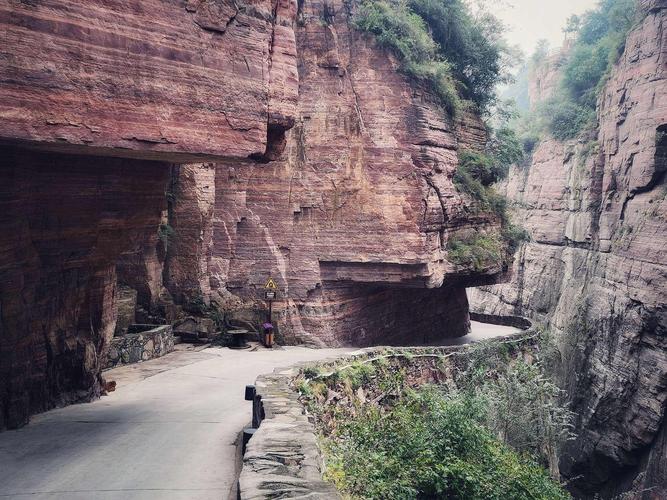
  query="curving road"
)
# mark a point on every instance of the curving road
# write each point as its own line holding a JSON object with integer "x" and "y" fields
{"x": 168, "y": 432}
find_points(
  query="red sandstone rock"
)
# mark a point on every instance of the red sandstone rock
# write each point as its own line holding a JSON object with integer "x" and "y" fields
{"x": 158, "y": 79}
{"x": 192, "y": 195}
{"x": 353, "y": 221}
{"x": 67, "y": 219}
{"x": 167, "y": 80}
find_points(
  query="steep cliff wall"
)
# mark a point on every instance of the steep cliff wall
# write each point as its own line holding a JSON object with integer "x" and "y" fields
{"x": 351, "y": 210}
{"x": 353, "y": 221}
{"x": 596, "y": 271}
{"x": 117, "y": 83}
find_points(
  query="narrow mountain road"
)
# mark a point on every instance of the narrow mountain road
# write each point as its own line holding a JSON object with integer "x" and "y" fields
{"x": 168, "y": 432}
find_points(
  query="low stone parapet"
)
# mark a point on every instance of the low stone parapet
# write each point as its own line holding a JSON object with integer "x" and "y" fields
{"x": 282, "y": 460}
{"x": 143, "y": 342}
{"x": 494, "y": 319}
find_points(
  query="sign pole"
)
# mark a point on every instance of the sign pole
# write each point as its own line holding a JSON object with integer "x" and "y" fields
{"x": 270, "y": 294}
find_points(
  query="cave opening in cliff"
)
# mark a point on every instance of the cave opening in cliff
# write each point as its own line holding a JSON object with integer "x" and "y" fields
{"x": 361, "y": 315}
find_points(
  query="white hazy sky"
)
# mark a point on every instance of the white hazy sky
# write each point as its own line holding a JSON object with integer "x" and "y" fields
{"x": 532, "y": 20}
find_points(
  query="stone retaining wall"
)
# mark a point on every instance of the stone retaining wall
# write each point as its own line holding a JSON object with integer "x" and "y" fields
{"x": 140, "y": 346}
{"x": 282, "y": 458}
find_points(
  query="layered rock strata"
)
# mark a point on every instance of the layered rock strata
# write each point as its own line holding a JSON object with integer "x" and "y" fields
{"x": 156, "y": 79}
{"x": 131, "y": 88}
{"x": 596, "y": 271}
{"x": 354, "y": 220}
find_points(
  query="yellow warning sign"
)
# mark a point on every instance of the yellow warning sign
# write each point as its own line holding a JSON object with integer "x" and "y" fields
{"x": 271, "y": 284}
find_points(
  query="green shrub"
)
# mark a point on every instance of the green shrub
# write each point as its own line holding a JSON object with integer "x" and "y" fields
{"x": 395, "y": 26}
{"x": 441, "y": 44}
{"x": 525, "y": 408}
{"x": 506, "y": 149}
{"x": 600, "y": 38}
{"x": 474, "y": 176}
{"x": 357, "y": 374}
{"x": 431, "y": 445}
{"x": 165, "y": 232}
{"x": 478, "y": 251}
{"x": 311, "y": 372}
{"x": 466, "y": 182}
{"x": 566, "y": 119}
{"x": 304, "y": 388}
{"x": 406, "y": 34}
{"x": 529, "y": 142}
{"x": 514, "y": 235}
{"x": 472, "y": 44}
{"x": 480, "y": 167}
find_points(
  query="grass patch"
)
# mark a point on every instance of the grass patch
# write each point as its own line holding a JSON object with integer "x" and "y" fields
{"x": 479, "y": 252}
{"x": 474, "y": 176}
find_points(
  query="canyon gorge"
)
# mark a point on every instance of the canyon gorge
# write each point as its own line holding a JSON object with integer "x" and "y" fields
{"x": 184, "y": 151}
{"x": 595, "y": 271}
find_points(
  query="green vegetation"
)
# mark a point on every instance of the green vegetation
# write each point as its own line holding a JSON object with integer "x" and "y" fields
{"x": 441, "y": 44}
{"x": 479, "y": 252}
{"x": 599, "y": 40}
{"x": 489, "y": 429}
{"x": 475, "y": 175}
{"x": 566, "y": 119}
{"x": 165, "y": 232}
{"x": 432, "y": 445}
{"x": 524, "y": 407}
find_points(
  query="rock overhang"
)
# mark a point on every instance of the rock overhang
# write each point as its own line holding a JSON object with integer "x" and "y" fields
{"x": 163, "y": 80}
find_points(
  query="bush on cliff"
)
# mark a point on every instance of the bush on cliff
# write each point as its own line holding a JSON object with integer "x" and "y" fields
{"x": 472, "y": 44}
{"x": 431, "y": 445}
{"x": 441, "y": 44}
{"x": 477, "y": 252}
{"x": 600, "y": 40}
{"x": 407, "y": 35}
{"x": 475, "y": 175}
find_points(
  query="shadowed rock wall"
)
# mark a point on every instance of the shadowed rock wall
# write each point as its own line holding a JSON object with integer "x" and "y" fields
{"x": 66, "y": 219}
{"x": 596, "y": 271}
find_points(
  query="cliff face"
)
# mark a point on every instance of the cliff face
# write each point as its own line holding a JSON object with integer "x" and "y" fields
{"x": 155, "y": 79}
{"x": 596, "y": 271}
{"x": 90, "y": 92}
{"x": 104, "y": 107}
{"x": 353, "y": 221}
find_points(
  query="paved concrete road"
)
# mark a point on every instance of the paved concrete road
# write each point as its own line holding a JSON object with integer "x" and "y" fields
{"x": 168, "y": 436}
{"x": 482, "y": 331}
{"x": 168, "y": 432}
